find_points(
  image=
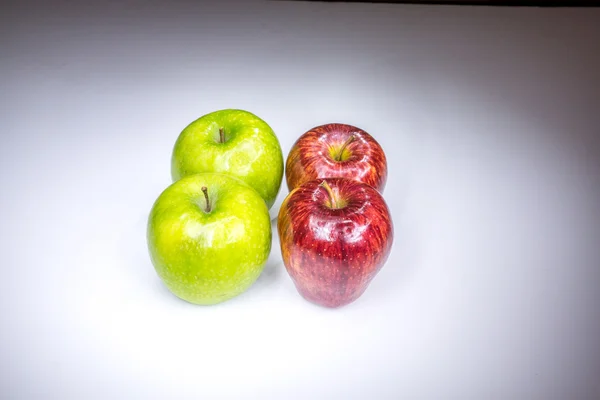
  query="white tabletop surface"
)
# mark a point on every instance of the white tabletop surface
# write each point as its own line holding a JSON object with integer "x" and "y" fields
{"x": 490, "y": 118}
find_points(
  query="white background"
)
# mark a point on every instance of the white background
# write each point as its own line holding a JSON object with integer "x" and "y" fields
{"x": 490, "y": 118}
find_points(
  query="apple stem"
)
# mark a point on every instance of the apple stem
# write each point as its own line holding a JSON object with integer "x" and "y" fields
{"x": 221, "y": 135}
{"x": 338, "y": 156}
{"x": 205, "y": 191}
{"x": 330, "y": 193}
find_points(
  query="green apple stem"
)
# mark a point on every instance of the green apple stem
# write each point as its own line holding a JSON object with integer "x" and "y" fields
{"x": 330, "y": 193}
{"x": 338, "y": 156}
{"x": 205, "y": 191}
{"x": 221, "y": 135}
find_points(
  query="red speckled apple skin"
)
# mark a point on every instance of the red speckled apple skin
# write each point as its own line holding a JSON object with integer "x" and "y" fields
{"x": 333, "y": 254}
{"x": 310, "y": 157}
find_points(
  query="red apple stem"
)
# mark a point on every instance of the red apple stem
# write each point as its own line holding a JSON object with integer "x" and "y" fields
{"x": 221, "y": 135}
{"x": 205, "y": 191}
{"x": 330, "y": 193}
{"x": 338, "y": 156}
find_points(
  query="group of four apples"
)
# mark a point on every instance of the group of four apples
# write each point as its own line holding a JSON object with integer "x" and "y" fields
{"x": 209, "y": 233}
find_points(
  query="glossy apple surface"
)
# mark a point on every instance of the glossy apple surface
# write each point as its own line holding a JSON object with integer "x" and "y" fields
{"x": 334, "y": 239}
{"x": 232, "y": 142}
{"x": 207, "y": 252}
{"x": 336, "y": 150}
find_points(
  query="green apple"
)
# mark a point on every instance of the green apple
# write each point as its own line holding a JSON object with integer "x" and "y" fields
{"x": 209, "y": 237}
{"x": 233, "y": 142}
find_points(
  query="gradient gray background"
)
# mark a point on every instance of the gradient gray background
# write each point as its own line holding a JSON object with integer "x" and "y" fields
{"x": 490, "y": 118}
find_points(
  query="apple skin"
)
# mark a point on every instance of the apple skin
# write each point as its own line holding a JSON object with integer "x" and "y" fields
{"x": 207, "y": 258}
{"x": 332, "y": 254}
{"x": 251, "y": 151}
{"x": 313, "y": 157}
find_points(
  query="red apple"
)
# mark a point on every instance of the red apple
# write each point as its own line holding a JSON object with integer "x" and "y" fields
{"x": 336, "y": 150}
{"x": 335, "y": 236}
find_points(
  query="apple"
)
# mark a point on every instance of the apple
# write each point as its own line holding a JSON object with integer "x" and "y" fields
{"x": 233, "y": 142}
{"x": 336, "y": 150}
{"x": 335, "y": 235}
{"x": 209, "y": 237}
